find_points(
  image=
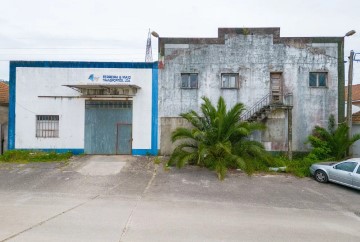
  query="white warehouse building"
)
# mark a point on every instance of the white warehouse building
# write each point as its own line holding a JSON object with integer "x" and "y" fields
{"x": 84, "y": 107}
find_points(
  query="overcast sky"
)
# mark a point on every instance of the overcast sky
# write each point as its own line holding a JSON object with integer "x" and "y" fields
{"x": 115, "y": 30}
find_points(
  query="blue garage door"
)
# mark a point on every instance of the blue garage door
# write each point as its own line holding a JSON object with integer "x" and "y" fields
{"x": 108, "y": 127}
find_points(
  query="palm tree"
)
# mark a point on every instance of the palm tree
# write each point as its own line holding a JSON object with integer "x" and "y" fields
{"x": 333, "y": 143}
{"x": 218, "y": 139}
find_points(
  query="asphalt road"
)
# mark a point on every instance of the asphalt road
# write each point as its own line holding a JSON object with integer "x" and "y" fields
{"x": 123, "y": 198}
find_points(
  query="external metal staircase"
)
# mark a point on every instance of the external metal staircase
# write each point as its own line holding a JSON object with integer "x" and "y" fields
{"x": 265, "y": 105}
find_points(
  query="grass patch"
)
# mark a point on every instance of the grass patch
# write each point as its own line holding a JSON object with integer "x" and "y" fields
{"x": 298, "y": 166}
{"x": 157, "y": 160}
{"x": 24, "y": 156}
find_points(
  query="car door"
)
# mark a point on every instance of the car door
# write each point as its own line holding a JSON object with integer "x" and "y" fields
{"x": 343, "y": 172}
{"x": 356, "y": 177}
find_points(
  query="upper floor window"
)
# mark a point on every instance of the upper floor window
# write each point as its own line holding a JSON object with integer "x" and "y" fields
{"x": 229, "y": 80}
{"x": 189, "y": 80}
{"x": 47, "y": 126}
{"x": 318, "y": 79}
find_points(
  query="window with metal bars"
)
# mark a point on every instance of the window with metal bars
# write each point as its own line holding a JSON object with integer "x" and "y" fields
{"x": 47, "y": 126}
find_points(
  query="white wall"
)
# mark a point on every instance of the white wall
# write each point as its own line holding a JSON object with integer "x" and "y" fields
{"x": 34, "y": 82}
{"x": 356, "y": 146}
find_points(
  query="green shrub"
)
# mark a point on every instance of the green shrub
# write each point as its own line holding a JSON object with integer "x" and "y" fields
{"x": 332, "y": 143}
{"x": 299, "y": 167}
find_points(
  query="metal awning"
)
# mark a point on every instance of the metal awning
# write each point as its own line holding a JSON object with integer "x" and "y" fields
{"x": 91, "y": 90}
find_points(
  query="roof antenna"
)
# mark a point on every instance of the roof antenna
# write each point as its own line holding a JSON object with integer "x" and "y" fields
{"x": 148, "y": 55}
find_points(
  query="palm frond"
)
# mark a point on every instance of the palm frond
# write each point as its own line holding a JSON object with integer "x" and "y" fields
{"x": 218, "y": 138}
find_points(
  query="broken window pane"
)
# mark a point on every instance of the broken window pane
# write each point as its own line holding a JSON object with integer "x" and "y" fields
{"x": 225, "y": 81}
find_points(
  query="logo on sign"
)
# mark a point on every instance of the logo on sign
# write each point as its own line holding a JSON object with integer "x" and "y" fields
{"x": 92, "y": 78}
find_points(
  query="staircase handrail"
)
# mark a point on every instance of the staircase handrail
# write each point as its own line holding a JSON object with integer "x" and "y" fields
{"x": 256, "y": 107}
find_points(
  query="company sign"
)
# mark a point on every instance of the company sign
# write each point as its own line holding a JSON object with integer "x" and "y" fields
{"x": 110, "y": 78}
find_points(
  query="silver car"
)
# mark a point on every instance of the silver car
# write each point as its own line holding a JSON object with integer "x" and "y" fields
{"x": 345, "y": 172}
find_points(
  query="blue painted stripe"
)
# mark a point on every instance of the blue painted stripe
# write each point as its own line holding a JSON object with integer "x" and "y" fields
{"x": 74, "y": 151}
{"x": 142, "y": 152}
{"x": 154, "y": 113}
{"x": 12, "y": 99}
{"x": 77, "y": 64}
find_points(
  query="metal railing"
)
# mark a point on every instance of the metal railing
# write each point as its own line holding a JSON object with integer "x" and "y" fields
{"x": 266, "y": 100}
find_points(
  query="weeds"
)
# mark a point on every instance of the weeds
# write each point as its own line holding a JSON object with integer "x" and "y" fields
{"x": 157, "y": 160}
{"x": 24, "y": 156}
{"x": 298, "y": 167}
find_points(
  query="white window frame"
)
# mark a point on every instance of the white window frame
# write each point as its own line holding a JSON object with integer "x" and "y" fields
{"x": 47, "y": 126}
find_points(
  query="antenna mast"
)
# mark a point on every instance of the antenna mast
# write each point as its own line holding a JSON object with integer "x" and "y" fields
{"x": 148, "y": 55}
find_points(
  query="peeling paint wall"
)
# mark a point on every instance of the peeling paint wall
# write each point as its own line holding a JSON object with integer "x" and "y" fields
{"x": 253, "y": 56}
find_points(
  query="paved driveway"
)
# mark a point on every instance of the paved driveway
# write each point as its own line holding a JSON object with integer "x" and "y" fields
{"x": 123, "y": 198}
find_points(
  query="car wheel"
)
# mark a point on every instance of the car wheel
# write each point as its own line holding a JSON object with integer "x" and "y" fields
{"x": 320, "y": 176}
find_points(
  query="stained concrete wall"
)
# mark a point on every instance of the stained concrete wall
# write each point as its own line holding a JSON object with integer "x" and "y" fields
{"x": 168, "y": 125}
{"x": 253, "y": 57}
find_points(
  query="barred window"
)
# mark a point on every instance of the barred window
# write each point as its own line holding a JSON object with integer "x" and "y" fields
{"x": 47, "y": 126}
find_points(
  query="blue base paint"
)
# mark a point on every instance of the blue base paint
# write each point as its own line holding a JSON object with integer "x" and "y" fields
{"x": 74, "y": 151}
{"x": 144, "y": 152}
{"x": 81, "y": 151}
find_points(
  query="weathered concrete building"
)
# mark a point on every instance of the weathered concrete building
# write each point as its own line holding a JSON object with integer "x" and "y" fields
{"x": 272, "y": 75}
